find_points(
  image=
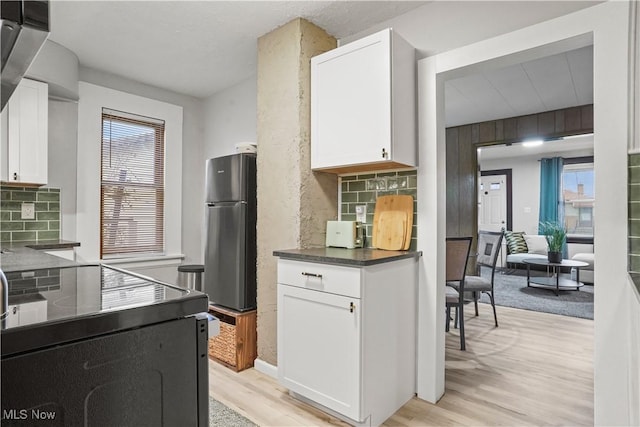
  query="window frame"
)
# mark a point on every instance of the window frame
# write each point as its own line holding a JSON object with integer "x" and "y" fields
{"x": 577, "y": 238}
{"x": 157, "y": 167}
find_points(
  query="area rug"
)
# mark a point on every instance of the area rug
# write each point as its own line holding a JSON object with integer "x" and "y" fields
{"x": 511, "y": 291}
{"x": 223, "y": 416}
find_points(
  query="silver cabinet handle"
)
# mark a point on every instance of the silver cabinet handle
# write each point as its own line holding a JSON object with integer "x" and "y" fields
{"x": 319, "y": 276}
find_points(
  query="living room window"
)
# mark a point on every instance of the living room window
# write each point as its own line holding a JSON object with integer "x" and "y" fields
{"x": 131, "y": 184}
{"x": 578, "y": 196}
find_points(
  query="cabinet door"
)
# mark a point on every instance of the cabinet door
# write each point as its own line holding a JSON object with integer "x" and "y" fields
{"x": 27, "y": 133}
{"x": 351, "y": 103}
{"x": 319, "y": 348}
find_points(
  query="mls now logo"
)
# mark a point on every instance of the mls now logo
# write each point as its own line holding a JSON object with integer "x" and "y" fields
{"x": 24, "y": 414}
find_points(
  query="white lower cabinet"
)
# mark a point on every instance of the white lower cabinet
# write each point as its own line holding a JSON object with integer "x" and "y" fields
{"x": 353, "y": 354}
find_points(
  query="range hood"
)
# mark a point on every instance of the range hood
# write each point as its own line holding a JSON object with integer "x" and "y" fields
{"x": 24, "y": 28}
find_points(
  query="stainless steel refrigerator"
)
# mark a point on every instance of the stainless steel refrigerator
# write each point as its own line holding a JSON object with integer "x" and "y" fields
{"x": 230, "y": 251}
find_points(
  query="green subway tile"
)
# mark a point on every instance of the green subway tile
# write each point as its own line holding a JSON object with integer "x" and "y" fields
{"x": 24, "y": 196}
{"x": 351, "y": 208}
{"x": 5, "y": 216}
{"x": 368, "y": 176}
{"x": 16, "y": 216}
{"x": 634, "y": 227}
{"x": 54, "y": 225}
{"x": 48, "y": 235}
{"x": 48, "y": 197}
{"x": 344, "y": 186}
{"x": 634, "y": 175}
{"x": 348, "y": 217}
{"x": 5, "y": 236}
{"x": 634, "y": 210}
{"x": 41, "y": 216}
{"x": 387, "y": 193}
{"x": 11, "y": 226}
{"x": 408, "y": 173}
{"x": 634, "y": 193}
{"x": 42, "y": 206}
{"x": 54, "y": 206}
{"x": 371, "y": 207}
{"x": 366, "y": 196}
{"x": 345, "y": 208}
{"x": 36, "y": 225}
{"x": 634, "y": 263}
{"x": 634, "y": 159}
{"x": 410, "y": 192}
{"x": 5, "y": 195}
{"x": 634, "y": 245}
{"x": 53, "y": 190}
{"x": 349, "y": 197}
{"x": 21, "y": 236}
{"x": 369, "y": 217}
{"x": 10, "y": 206}
{"x": 415, "y": 217}
{"x": 413, "y": 182}
{"x": 349, "y": 178}
{"x": 414, "y": 245}
{"x": 356, "y": 186}
{"x": 386, "y": 174}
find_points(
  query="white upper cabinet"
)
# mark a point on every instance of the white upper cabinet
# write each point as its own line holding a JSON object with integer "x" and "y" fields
{"x": 363, "y": 106}
{"x": 24, "y": 135}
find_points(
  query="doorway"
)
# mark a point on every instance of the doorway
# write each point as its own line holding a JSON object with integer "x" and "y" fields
{"x": 611, "y": 95}
{"x": 495, "y": 207}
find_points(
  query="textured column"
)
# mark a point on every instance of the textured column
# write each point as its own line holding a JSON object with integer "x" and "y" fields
{"x": 293, "y": 203}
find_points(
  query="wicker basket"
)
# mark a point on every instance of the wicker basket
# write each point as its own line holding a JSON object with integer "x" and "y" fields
{"x": 223, "y": 346}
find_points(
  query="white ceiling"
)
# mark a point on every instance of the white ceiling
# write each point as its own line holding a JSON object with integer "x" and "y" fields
{"x": 550, "y": 83}
{"x": 196, "y": 48}
{"x": 199, "y": 48}
{"x": 581, "y": 143}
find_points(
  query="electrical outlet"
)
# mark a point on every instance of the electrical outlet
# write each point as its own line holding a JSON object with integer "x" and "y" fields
{"x": 361, "y": 213}
{"x": 28, "y": 211}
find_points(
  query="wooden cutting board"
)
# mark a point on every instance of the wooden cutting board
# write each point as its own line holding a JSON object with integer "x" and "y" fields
{"x": 391, "y": 230}
{"x": 403, "y": 203}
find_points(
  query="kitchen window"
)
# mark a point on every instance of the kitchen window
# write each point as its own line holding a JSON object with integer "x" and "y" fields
{"x": 131, "y": 185}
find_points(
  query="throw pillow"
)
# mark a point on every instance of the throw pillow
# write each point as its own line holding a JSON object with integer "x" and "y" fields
{"x": 536, "y": 244}
{"x": 515, "y": 242}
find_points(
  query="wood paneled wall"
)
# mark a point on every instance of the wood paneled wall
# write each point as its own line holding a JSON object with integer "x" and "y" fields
{"x": 462, "y": 161}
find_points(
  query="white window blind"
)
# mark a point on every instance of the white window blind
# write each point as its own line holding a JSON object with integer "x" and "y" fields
{"x": 131, "y": 184}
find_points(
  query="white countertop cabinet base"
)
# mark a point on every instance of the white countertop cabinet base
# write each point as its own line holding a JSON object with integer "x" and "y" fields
{"x": 352, "y": 355}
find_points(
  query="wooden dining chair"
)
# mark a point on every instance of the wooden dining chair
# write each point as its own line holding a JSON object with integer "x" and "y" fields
{"x": 457, "y": 253}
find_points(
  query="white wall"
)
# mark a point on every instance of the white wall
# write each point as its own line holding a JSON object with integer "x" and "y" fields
{"x": 230, "y": 117}
{"x": 525, "y": 180}
{"x": 62, "y": 164}
{"x": 607, "y": 26}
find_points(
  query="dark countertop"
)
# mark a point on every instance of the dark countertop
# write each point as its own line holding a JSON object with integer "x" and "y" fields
{"x": 21, "y": 256}
{"x": 359, "y": 257}
{"x": 43, "y": 244}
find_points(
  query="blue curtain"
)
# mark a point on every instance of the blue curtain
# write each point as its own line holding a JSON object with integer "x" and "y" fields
{"x": 551, "y": 206}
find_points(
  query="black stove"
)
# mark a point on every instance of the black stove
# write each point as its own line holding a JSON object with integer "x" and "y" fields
{"x": 98, "y": 346}
{"x": 51, "y": 306}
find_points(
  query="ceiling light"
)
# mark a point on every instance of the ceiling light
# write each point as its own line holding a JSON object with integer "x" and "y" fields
{"x": 532, "y": 143}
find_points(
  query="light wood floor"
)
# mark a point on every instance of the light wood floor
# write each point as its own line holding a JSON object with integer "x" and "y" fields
{"x": 534, "y": 369}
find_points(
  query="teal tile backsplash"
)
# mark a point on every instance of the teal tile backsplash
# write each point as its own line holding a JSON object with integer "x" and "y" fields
{"x": 364, "y": 190}
{"x": 45, "y": 225}
{"x": 634, "y": 213}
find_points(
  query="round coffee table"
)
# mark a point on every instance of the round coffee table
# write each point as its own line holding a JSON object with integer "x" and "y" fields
{"x": 555, "y": 281}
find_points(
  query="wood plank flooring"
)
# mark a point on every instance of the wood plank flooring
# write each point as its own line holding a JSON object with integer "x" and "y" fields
{"x": 534, "y": 369}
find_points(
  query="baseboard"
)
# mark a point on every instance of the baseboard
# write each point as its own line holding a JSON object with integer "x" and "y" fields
{"x": 265, "y": 368}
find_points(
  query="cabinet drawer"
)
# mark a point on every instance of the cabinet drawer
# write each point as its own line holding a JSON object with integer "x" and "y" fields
{"x": 334, "y": 279}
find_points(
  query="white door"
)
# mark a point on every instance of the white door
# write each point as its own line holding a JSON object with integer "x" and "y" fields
{"x": 319, "y": 347}
{"x": 492, "y": 203}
